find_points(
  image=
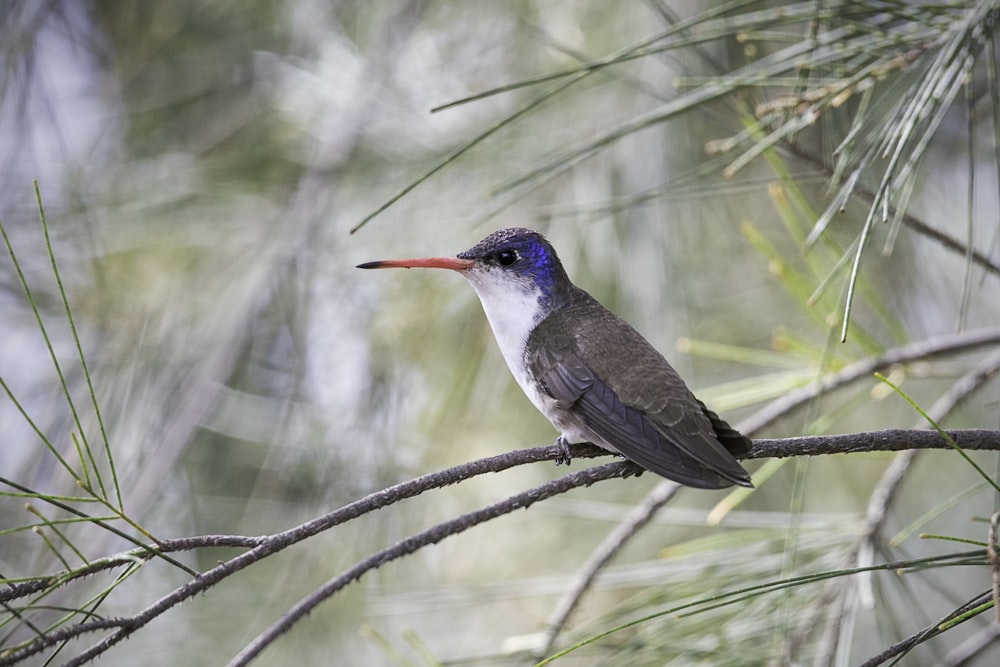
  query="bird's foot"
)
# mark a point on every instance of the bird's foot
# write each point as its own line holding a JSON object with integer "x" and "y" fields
{"x": 632, "y": 469}
{"x": 563, "y": 457}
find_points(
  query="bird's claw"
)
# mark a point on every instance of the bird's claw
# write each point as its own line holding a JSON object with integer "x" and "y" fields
{"x": 563, "y": 456}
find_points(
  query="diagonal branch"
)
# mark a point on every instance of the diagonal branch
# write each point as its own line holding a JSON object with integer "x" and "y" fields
{"x": 432, "y": 535}
{"x": 633, "y": 522}
{"x": 837, "y": 591}
{"x": 903, "y": 647}
{"x": 891, "y": 440}
{"x": 265, "y": 546}
{"x": 908, "y": 219}
{"x": 925, "y": 349}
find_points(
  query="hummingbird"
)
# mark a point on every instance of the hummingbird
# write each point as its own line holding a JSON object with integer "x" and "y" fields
{"x": 587, "y": 370}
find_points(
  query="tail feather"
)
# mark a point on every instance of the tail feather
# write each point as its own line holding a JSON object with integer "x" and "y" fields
{"x": 735, "y": 442}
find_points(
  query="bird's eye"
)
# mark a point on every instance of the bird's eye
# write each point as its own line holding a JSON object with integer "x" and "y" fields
{"x": 506, "y": 257}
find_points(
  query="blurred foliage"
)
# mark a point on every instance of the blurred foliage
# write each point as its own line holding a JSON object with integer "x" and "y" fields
{"x": 718, "y": 175}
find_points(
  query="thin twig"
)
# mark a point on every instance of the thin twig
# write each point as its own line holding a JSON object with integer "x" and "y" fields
{"x": 925, "y": 349}
{"x": 430, "y": 536}
{"x": 892, "y": 440}
{"x": 963, "y": 654}
{"x": 903, "y": 647}
{"x": 273, "y": 543}
{"x": 634, "y": 521}
{"x": 836, "y": 592}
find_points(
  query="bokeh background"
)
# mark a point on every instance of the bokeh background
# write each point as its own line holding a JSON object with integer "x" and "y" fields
{"x": 201, "y": 166}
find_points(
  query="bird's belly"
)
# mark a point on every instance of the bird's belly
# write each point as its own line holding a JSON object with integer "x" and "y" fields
{"x": 572, "y": 428}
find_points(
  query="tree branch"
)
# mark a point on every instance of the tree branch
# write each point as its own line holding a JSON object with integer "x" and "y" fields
{"x": 433, "y": 535}
{"x": 922, "y": 350}
{"x": 634, "y": 521}
{"x": 835, "y": 594}
{"x": 891, "y": 440}
{"x": 903, "y": 647}
{"x": 263, "y": 546}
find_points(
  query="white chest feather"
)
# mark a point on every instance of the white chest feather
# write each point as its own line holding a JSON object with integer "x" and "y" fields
{"x": 513, "y": 312}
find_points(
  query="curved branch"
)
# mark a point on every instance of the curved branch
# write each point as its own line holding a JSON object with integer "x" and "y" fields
{"x": 891, "y": 440}
{"x": 264, "y": 546}
{"x": 634, "y": 521}
{"x": 925, "y": 349}
{"x": 432, "y": 535}
{"x": 903, "y": 647}
{"x": 835, "y": 595}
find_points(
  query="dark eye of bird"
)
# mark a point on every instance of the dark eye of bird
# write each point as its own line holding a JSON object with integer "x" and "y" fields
{"x": 506, "y": 257}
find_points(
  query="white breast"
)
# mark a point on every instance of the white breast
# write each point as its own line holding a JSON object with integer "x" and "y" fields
{"x": 513, "y": 311}
{"x": 513, "y": 308}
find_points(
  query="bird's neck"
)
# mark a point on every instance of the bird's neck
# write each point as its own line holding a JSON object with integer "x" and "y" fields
{"x": 513, "y": 314}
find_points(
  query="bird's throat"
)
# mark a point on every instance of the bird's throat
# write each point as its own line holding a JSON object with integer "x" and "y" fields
{"x": 513, "y": 312}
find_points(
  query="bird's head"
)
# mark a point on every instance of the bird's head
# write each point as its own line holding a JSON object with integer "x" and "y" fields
{"x": 508, "y": 262}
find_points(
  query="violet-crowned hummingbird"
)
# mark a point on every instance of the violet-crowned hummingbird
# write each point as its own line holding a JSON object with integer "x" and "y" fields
{"x": 594, "y": 376}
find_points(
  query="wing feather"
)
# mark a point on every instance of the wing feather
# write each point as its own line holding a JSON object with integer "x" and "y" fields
{"x": 667, "y": 431}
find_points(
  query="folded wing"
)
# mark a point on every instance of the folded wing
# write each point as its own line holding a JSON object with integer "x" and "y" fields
{"x": 650, "y": 416}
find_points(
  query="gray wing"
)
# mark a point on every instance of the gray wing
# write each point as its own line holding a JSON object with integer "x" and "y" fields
{"x": 666, "y": 430}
